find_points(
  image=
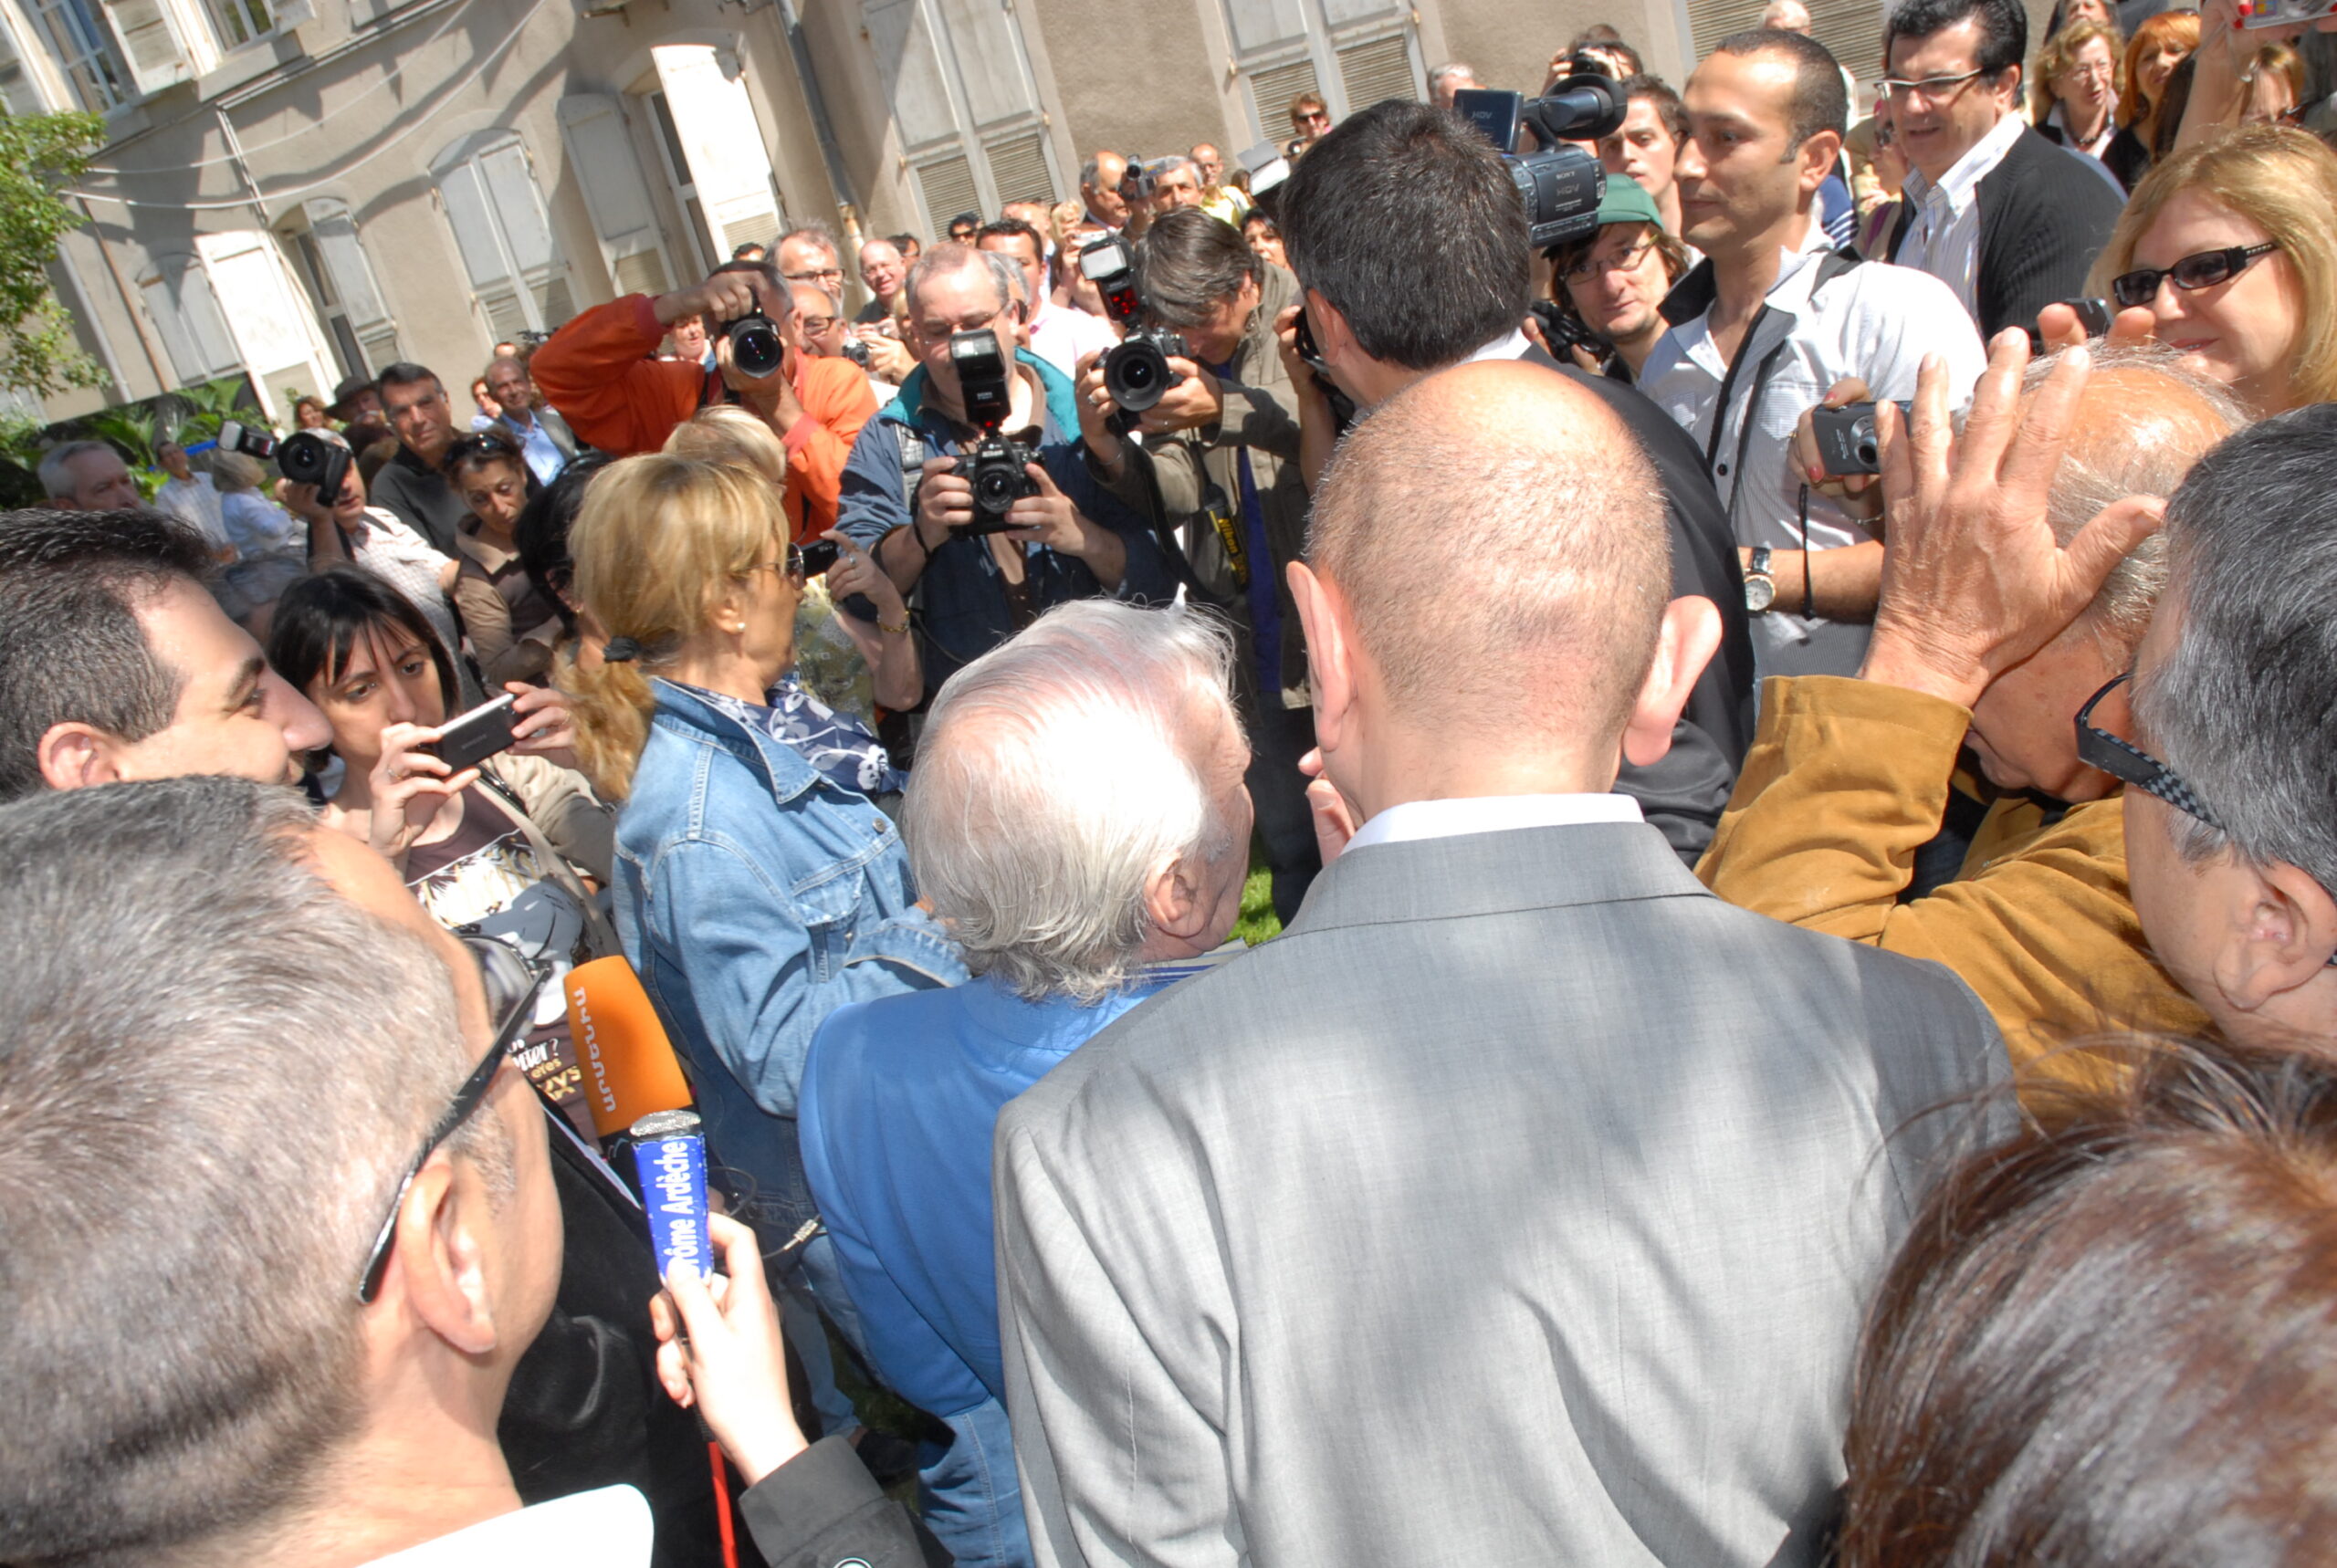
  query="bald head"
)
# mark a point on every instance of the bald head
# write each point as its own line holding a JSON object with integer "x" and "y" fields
{"x": 1787, "y": 16}
{"x": 1499, "y": 544}
{"x": 2143, "y": 421}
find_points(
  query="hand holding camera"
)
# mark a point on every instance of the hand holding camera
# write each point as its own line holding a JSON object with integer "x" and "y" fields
{"x": 1836, "y": 450}
{"x": 410, "y": 785}
{"x": 998, "y": 468}
{"x": 1194, "y": 400}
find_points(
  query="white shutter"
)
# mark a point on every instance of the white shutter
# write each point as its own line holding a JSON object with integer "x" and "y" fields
{"x": 527, "y": 230}
{"x": 179, "y": 299}
{"x": 178, "y": 339}
{"x": 991, "y": 65}
{"x": 477, "y": 237}
{"x": 1019, "y": 170}
{"x": 150, "y": 43}
{"x": 19, "y": 94}
{"x": 1346, "y": 13}
{"x": 946, "y": 182}
{"x": 1273, "y": 89}
{"x": 276, "y": 334}
{"x": 1378, "y": 68}
{"x": 351, "y": 281}
{"x": 593, "y": 129}
{"x": 1257, "y": 25}
{"x": 911, "y": 70}
{"x": 723, "y": 143}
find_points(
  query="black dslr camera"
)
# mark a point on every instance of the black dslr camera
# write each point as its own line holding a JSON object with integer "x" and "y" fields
{"x": 996, "y": 467}
{"x": 1562, "y": 186}
{"x": 756, "y": 347}
{"x": 1137, "y": 373}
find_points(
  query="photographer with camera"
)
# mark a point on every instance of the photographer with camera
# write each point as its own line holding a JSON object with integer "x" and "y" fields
{"x": 598, "y": 370}
{"x": 1770, "y": 324}
{"x": 971, "y": 487}
{"x": 1459, "y": 288}
{"x": 1219, "y": 468}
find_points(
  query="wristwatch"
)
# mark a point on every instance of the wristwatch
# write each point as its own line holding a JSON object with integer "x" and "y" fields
{"x": 1760, "y": 588}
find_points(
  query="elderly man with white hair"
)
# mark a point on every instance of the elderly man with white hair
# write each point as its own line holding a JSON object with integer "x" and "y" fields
{"x": 1078, "y": 821}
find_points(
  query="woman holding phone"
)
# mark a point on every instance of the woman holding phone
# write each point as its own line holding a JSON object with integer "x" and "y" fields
{"x": 512, "y": 845}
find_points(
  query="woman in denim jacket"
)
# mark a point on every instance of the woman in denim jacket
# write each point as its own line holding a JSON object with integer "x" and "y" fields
{"x": 754, "y": 895}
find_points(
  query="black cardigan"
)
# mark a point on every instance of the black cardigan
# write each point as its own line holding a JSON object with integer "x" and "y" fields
{"x": 2043, "y": 218}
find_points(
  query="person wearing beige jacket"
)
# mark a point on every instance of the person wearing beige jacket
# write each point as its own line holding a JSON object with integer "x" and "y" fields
{"x": 2019, "y": 579}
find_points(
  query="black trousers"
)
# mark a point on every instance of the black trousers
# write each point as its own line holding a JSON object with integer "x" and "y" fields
{"x": 1279, "y": 737}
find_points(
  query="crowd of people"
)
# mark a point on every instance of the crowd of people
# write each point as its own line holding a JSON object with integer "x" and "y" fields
{"x": 1786, "y": 733}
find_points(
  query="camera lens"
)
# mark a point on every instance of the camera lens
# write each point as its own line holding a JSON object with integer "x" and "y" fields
{"x": 1136, "y": 374}
{"x": 301, "y": 458}
{"x": 1863, "y": 438}
{"x": 994, "y": 487}
{"x": 755, "y": 347}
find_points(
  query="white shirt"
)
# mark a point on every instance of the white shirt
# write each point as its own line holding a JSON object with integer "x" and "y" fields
{"x": 1410, "y": 821}
{"x": 611, "y": 1527}
{"x": 1061, "y": 335}
{"x": 1944, "y": 237}
{"x": 1875, "y": 321}
{"x": 384, "y": 546}
{"x": 196, "y": 502}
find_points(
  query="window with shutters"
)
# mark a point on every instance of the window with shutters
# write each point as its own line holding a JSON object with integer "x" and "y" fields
{"x": 146, "y": 33}
{"x": 1352, "y": 52}
{"x": 240, "y": 22}
{"x": 698, "y": 258}
{"x": 19, "y": 92}
{"x": 600, "y": 154}
{"x": 965, "y": 104}
{"x": 194, "y": 334}
{"x": 83, "y": 54}
{"x": 721, "y": 147}
{"x": 488, "y": 190}
{"x": 340, "y": 280}
{"x": 1852, "y": 30}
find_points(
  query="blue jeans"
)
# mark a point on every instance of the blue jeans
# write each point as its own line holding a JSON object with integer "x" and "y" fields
{"x": 969, "y": 1494}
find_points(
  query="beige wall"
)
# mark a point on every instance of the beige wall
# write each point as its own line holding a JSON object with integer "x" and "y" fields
{"x": 1137, "y": 79}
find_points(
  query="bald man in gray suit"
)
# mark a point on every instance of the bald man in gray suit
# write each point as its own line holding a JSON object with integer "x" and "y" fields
{"x": 1519, "y": 1205}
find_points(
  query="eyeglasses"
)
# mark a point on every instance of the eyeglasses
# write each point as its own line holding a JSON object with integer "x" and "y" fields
{"x": 1932, "y": 88}
{"x": 2123, "y": 760}
{"x": 815, "y": 325}
{"x": 2103, "y": 69}
{"x": 2204, "y": 269}
{"x": 1583, "y": 270}
{"x": 513, "y": 982}
{"x": 817, "y": 275}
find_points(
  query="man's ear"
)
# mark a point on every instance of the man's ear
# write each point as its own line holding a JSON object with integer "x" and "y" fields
{"x": 2282, "y": 930}
{"x": 1819, "y": 156}
{"x": 440, "y": 1257}
{"x": 1174, "y": 905}
{"x": 1684, "y": 644}
{"x": 73, "y": 755}
{"x": 1330, "y": 656}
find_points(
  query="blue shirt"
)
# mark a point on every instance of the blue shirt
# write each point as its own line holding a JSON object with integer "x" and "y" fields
{"x": 964, "y": 610}
{"x": 544, "y": 457}
{"x": 900, "y": 1097}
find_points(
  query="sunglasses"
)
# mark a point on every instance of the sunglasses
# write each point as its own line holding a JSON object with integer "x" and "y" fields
{"x": 2204, "y": 269}
{"x": 2130, "y": 764}
{"x": 512, "y": 984}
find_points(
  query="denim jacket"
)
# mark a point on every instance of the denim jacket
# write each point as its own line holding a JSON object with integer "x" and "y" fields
{"x": 963, "y": 612}
{"x": 754, "y": 898}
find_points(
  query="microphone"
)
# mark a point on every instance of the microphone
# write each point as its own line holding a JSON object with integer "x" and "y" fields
{"x": 630, "y": 1068}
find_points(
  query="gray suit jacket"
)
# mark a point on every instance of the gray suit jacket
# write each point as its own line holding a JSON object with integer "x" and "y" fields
{"x": 1518, "y": 1206}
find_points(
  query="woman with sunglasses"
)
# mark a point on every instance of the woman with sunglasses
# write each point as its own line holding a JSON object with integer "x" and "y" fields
{"x": 510, "y": 624}
{"x": 2231, "y": 247}
{"x": 755, "y": 894}
{"x": 511, "y": 848}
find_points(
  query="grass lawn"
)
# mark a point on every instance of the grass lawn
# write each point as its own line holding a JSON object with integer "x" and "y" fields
{"x": 1257, "y": 922}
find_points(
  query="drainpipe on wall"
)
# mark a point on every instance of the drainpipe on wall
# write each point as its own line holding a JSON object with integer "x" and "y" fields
{"x": 800, "y": 51}
{"x": 130, "y": 304}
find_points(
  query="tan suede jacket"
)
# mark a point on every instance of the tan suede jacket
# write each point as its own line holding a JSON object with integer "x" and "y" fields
{"x": 1846, "y": 778}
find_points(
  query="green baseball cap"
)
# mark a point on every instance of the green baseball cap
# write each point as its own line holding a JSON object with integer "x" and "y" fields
{"x": 1627, "y": 202}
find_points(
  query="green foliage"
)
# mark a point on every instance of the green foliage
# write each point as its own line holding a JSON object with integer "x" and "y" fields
{"x": 40, "y": 154}
{"x": 194, "y": 413}
{"x": 1257, "y": 922}
{"x": 21, "y": 444}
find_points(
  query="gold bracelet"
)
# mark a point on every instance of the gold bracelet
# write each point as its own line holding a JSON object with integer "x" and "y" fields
{"x": 894, "y": 630}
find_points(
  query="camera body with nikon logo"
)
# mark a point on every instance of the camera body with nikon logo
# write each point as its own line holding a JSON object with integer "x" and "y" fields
{"x": 998, "y": 467}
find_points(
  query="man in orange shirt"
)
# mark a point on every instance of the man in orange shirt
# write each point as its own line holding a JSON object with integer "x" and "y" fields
{"x": 600, "y": 372}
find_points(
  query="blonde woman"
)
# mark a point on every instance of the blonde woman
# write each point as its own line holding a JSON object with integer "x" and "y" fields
{"x": 2230, "y": 248}
{"x": 754, "y": 896}
{"x": 846, "y": 663}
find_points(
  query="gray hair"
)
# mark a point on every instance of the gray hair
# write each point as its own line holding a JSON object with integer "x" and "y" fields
{"x": 218, "y": 1069}
{"x": 815, "y": 231}
{"x": 235, "y": 472}
{"x": 2240, "y": 709}
{"x": 1056, "y": 774}
{"x": 1444, "y": 73}
{"x": 2140, "y": 445}
{"x": 57, "y": 481}
{"x": 948, "y": 257}
{"x": 1091, "y": 172}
